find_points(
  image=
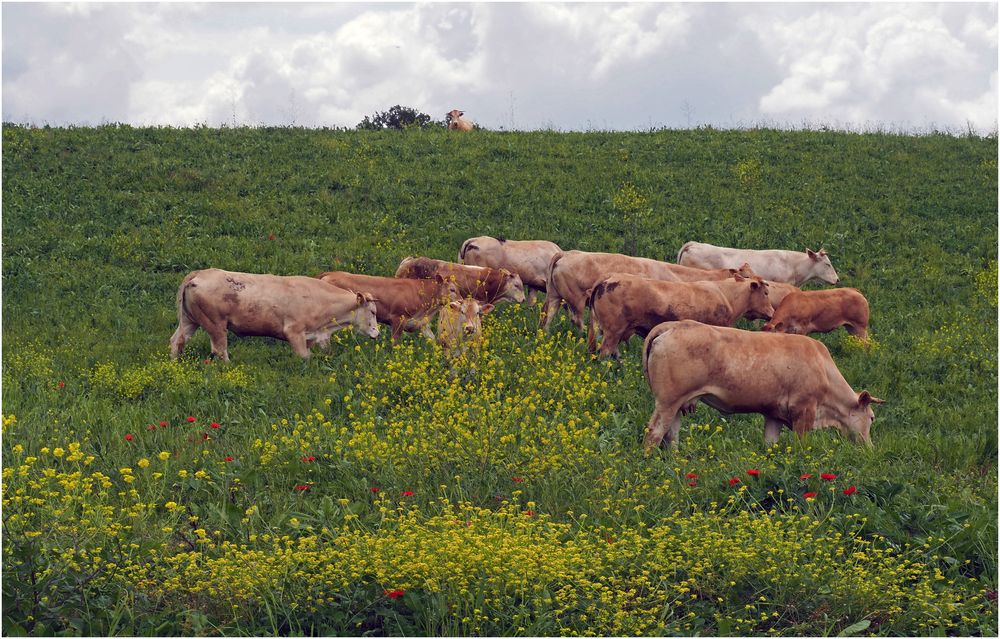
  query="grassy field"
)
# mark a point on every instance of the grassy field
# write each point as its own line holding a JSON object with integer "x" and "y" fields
{"x": 372, "y": 490}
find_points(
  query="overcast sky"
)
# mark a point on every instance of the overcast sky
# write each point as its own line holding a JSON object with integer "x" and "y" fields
{"x": 512, "y": 66}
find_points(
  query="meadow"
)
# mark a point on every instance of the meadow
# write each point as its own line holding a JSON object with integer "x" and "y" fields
{"x": 377, "y": 490}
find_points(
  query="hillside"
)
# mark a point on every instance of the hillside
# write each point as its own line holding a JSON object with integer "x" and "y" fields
{"x": 101, "y": 224}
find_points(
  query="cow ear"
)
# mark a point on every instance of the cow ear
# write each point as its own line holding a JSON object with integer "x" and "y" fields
{"x": 439, "y": 278}
{"x": 812, "y": 254}
{"x": 822, "y": 252}
{"x": 754, "y": 285}
{"x": 456, "y": 305}
{"x": 737, "y": 276}
{"x": 866, "y": 398}
{"x": 486, "y": 308}
{"x": 361, "y": 299}
{"x": 461, "y": 113}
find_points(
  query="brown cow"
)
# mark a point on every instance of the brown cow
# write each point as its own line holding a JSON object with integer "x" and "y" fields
{"x": 460, "y": 325}
{"x": 572, "y": 274}
{"x": 823, "y": 311}
{"x": 485, "y": 284}
{"x": 789, "y": 379}
{"x": 529, "y": 259}
{"x": 456, "y": 122}
{"x": 405, "y": 305}
{"x": 297, "y": 309}
{"x": 625, "y": 305}
{"x": 777, "y": 291}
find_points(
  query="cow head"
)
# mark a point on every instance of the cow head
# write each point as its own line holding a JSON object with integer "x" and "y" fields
{"x": 772, "y": 326}
{"x": 821, "y": 267}
{"x": 471, "y": 314}
{"x": 447, "y": 289}
{"x": 513, "y": 287}
{"x": 860, "y": 416}
{"x": 364, "y": 317}
{"x": 744, "y": 271}
{"x": 760, "y": 305}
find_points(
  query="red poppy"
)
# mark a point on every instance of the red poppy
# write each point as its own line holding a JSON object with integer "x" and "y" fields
{"x": 407, "y": 493}
{"x": 529, "y": 513}
{"x": 163, "y": 424}
{"x": 753, "y": 471}
{"x": 191, "y": 420}
{"x": 302, "y": 487}
{"x": 208, "y": 361}
{"x": 692, "y": 483}
{"x": 805, "y": 476}
{"x": 311, "y": 458}
{"x": 375, "y": 489}
{"x": 129, "y": 437}
{"x": 850, "y": 490}
{"x": 610, "y": 540}
{"x": 517, "y": 480}
{"x": 227, "y": 459}
{"x": 828, "y": 476}
{"x": 150, "y": 427}
{"x": 62, "y": 384}
{"x": 204, "y": 436}
{"x": 691, "y": 476}
{"x": 394, "y": 594}
{"x": 733, "y": 481}
{"x": 214, "y": 424}
{"x": 810, "y": 495}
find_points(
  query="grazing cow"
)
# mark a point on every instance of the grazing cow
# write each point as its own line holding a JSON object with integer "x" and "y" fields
{"x": 460, "y": 325}
{"x": 529, "y": 259}
{"x": 456, "y": 122}
{"x": 793, "y": 267}
{"x": 297, "y": 309}
{"x": 789, "y": 379}
{"x": 807, "y": 312}
{"x": 572, "y": 274}
{"x": 405, "y": 305}
{"x": 485, "y": 284}
{"x": 625, "y": 305}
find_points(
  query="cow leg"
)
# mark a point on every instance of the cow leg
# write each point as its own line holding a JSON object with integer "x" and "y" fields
{"x": 804, "y": 421}
{"x": 609, "y": 345}
{"x": 659, "y": 428}
{"x": 772, "y": 430}
{"x": 550, "y": 308}
{"x": 180, "y": 337}
{"x": 297, "y": 339}
{"x": 397, "y": 328}
{"x": 532, "y": 296}
{"x": 219, "y": 337}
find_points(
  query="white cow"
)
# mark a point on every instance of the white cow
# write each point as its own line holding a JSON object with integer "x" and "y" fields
{"x": 793, "y": 267}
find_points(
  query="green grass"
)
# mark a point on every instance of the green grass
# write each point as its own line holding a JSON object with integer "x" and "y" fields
{"x": 101, "y": 224}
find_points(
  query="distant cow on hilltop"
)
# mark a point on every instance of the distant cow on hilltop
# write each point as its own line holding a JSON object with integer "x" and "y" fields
{"x": 456, "y": 122}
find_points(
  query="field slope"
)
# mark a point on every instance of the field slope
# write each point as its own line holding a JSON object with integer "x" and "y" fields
{"x": 375, "y": 490}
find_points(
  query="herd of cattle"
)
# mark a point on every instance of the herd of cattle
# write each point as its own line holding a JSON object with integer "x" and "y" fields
{"x": 686, "y": 311}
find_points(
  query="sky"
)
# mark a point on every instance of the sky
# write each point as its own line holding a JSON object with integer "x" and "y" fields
{"x": 524, "y": 66}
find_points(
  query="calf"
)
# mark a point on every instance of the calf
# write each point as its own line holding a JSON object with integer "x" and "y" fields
{"x": 789, "y": 379}
{"x": 793, "y": 267}
{"x": 807, "y": 312}
{"x": 405, "y": 305}
{"x": 572, "y": 274}
{"x": 456, "y": 122}
{"x": 460, "y": 325}
{"x": 485, "y": 284}
{"x": 297, "y": 309}
{"x": 625, "y": 305}
{"x": 529, "y": 259}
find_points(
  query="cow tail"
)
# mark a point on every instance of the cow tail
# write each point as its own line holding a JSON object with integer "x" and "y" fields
{"x": 593, "y": 294}
{"x": 683, "y": 249}
{"x": 466, "y": 247}
{"x": 658, "y": 330}
{"x": 183, "y": 317}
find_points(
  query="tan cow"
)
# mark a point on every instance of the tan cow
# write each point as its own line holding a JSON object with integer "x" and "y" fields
{"x": 460, "y": 324}
{"x": 807, "y": 312}
{"x": 777, "y": 291}
{"x": 625, "y": 305}
{"x": 485, "y": 284}
{"x": 456, "y": 122}
{"x": 405, "y": 305}
{"x": 572, "y": 274}
{"x": 297, "y": 309}
{"x": 529, "y": 259}
{"x": 789, "y": 379}
{"x": 793, "y": 267}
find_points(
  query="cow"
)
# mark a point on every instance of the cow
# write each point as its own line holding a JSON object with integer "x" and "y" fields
{"x": 529, "y": 259}
{"x": 404, "y": 305}
{"x": 485, "y": 284}
{"x": 793, "y": 267}
{"x": 298, "y": 309}
{"x": 789, "y": 379}
{"x": 777, "y": 291}
{"x": 456, "y": 122}
{"x": 807, "y": 312}
{"x": 460, "y": 325}
{"x": 625, "y": 305}
{"x": 572, "y": 273}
